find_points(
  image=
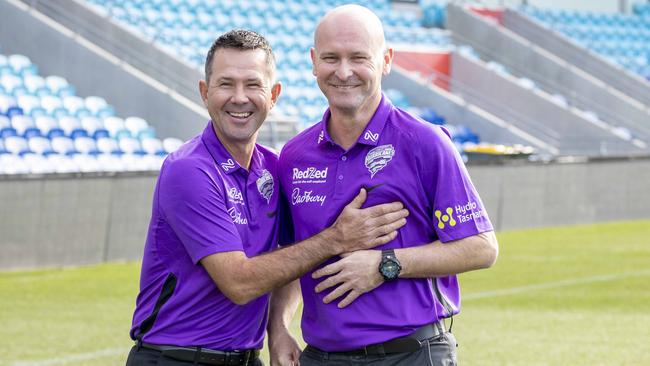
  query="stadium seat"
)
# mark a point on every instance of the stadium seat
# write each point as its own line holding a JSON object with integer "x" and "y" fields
{"x": 171, "y": 144}
{"x": 86, "y": 145}
{"x": 63, "y": 145}
{"x": 12, "y": 164}
{"x": 135, "y": 125}
{"x": 69, "y": 125}
{"x": 4, "y": 121}
{"x": 22, "y": 124}
{"x": 130, "y": 146}
{"x": 40, "y": 145}
{"x": 16, "y": 145}
{"x": 113, "y": 125}
{"x": 37, "y": 164}
{"x": 152, "y": 146}
{"x": 62, "y": 163}
{"x": 108, "y": 145}
{"x": 45, "y": 124}
{"x": 86, "y": 163}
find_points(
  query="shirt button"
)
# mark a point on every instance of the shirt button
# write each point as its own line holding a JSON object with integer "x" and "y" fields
{"x": 340, "y": 177}
{"x": 344, "y": 158}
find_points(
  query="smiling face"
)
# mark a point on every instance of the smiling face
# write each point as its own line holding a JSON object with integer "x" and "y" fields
{"x": 350, "y": 58}
{"x": 239, "y": 94}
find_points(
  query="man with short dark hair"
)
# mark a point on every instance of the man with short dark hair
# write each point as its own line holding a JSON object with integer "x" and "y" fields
{"x": 392, "y": 301}
{"x": 209, "y": 258}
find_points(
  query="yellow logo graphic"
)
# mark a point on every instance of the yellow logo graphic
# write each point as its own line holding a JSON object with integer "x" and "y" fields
{"x": 445, "y": 218}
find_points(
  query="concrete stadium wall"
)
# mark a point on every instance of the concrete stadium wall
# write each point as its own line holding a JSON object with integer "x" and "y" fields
{"x": 62, "y": 220}
{"x": 550, "y": 72}
{"x": 625, "y": 81}
{"x": 71, "y": 220}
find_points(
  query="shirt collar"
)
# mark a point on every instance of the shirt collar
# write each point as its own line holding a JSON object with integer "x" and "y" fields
{"x": 373, "y": 130}
{"x": 219, "y": 153}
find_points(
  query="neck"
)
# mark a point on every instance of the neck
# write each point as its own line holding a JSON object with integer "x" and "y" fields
{"x": 346, "y": 126}
{"x": 242, "y": 152}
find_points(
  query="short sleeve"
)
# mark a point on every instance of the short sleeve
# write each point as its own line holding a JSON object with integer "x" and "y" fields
{"x": 193, "y": 203}
{"x": 458, "y": 211}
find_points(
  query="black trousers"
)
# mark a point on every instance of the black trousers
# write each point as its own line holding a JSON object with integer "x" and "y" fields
{"x": 440, "y": 351}
{"x": 149, "y": 357}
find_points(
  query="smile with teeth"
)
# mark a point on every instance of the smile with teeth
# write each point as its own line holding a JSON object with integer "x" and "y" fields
{"x": 344, "y": 86}
{"x": 240, "y": 114}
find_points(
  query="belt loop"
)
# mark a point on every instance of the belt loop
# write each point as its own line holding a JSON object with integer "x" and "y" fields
{"x": 197, "y": 356}
{"x": 138, "y": 344}
{"x": 247, "y": 357}
{"x": 440, "y": 326}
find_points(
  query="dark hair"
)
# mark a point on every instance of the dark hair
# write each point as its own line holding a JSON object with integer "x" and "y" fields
{"x": 240, "y": 39}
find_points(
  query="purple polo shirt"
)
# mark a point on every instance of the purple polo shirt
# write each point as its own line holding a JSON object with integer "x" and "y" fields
{"x": 205, "y": 203}
{"x": 397, "y": 158}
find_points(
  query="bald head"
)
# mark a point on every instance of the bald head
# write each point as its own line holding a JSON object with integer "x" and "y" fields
{"x": 353, "y": 20}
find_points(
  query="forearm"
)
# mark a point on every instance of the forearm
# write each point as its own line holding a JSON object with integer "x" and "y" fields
{"x": 267, "y": 272}
{"x": 283, "y": 305}
{"x": 437, "y": 259}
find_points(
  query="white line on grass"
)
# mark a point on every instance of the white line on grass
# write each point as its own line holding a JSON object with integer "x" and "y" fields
{"x": 73, "y": 358}
{"x": 554, "y": 284}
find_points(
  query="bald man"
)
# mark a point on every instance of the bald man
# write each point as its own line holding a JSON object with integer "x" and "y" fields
{"x": 385, "y": 306}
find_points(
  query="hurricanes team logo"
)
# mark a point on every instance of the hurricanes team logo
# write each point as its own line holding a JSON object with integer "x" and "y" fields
{"x": 265, "y": 185}
{"x": 378, "y": 158}
{"x": 228, "y": 165}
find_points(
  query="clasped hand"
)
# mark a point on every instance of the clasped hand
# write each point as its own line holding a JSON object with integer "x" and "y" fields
{"x": 354, "y": 274}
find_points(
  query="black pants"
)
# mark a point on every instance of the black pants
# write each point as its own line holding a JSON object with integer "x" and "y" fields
{"x": 149, "y": 357}
{"x": 441, "y": 351}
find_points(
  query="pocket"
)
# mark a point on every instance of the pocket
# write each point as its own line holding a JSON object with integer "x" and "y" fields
{"x": 443, "y": 350}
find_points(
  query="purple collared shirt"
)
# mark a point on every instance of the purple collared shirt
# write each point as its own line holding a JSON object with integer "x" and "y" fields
{"x": 205, "y": 203}
{"x": 397, "y": 158}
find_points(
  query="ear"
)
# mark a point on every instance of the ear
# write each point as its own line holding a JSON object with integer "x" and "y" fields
{"x": 276, "y": 90}
{"x": 203, "y": 89}
{"x": 388, "y": 61}
{"x": 312, "y": 54}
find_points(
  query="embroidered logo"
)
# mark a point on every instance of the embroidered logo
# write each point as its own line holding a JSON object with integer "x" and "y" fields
{"x": 236, "y": 217}
{"x": 298, "y": 197}
{"x": 378, "y": 158}
{"x": 321, "y": 136}
{"x": 235, "y": 196}
{"x": 265, "y": 185}
{"x": 371, "y": 136}
{"x": 228, "y": 165}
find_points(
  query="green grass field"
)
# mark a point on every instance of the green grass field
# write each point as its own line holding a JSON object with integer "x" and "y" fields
{"x": 561, "y": 296}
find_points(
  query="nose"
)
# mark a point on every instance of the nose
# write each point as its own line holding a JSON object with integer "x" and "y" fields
{"x": 239, "y": 95}
{"x": 343, "y": 70}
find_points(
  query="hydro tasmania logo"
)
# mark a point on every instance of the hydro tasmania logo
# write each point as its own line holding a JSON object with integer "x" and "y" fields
{"x": 309, "y": 175}
{"x": 265, "y": 185}
{"x": 378, "y": 158}
{"x": 463, "y": 213}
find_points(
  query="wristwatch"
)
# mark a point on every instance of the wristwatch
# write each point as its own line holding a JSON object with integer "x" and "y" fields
{"x": 389, "y": 267}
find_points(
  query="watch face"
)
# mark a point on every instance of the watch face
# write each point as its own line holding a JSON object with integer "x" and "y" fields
{"x": 390, "y": 269}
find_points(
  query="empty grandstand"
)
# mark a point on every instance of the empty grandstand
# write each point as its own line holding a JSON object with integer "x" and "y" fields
{"x": 102, "y": 89}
